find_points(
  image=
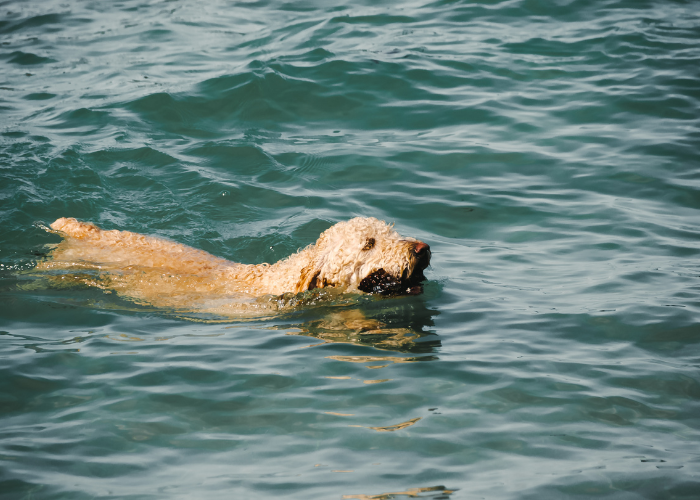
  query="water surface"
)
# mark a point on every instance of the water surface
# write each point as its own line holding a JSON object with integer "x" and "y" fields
{"x": 548, "y": 153}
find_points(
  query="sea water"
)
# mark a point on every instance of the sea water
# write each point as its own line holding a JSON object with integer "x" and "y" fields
{"x": 548, "y": 153}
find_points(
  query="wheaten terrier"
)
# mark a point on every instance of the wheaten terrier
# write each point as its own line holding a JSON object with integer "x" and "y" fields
{"x": 363, "y": 254}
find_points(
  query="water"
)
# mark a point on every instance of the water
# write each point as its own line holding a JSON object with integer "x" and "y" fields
{"x": 548, "y": 152}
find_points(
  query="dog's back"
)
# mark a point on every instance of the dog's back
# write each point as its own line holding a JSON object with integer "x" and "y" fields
{"x": 86, "y": 245}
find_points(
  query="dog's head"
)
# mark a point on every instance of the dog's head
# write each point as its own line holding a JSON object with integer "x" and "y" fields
{"x": 367, "y": 254}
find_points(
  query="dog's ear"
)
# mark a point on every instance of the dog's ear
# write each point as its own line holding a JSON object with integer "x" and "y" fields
{"x": 315, "y": 258}
{"x": 308, "y": 279}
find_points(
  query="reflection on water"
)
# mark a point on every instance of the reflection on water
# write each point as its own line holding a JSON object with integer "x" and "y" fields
{"x": 394, "y": 427}
{"x": 398, "y": 324}
{"x": 434, "y": 492}
{"x": 390, "y": 359}
{"x": 351, "y": 326}
{"x": 376, "y": 381}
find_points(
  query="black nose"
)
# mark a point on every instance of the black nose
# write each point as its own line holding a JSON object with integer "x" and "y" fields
{"x": 421, "y": 249}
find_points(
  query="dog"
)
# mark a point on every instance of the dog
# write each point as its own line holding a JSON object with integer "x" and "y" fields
{"x": 363, "y": 254}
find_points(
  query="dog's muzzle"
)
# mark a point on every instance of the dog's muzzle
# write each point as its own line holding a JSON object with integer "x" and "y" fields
{"x": 383, "y": 283}
{"x": 422, "y": 253}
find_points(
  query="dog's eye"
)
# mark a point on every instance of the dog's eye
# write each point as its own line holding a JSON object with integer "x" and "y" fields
{"x": 369, "y": 245}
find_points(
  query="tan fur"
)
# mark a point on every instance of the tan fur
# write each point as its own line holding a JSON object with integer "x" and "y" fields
{"x": 164, "y": 273}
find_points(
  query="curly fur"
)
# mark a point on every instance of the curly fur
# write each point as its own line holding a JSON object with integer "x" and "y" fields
{"x": 161, "y": 272}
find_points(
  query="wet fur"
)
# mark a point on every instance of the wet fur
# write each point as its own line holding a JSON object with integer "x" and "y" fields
{"x": 161, "y": 272}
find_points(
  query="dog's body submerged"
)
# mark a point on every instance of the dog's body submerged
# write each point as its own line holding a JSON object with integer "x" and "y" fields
{"x": 361, "y": 254}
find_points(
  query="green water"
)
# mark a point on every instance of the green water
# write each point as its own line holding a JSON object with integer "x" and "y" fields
{"x": 548, "y": 153}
